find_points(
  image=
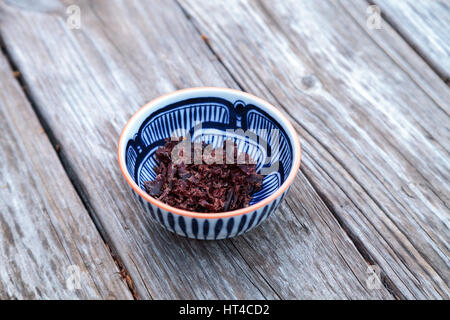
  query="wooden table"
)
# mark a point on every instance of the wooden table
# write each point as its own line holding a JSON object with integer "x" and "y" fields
{"x": 367, "y": 216}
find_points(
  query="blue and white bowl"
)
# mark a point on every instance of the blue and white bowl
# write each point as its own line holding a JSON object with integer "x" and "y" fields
{"x": 212, "y": 115}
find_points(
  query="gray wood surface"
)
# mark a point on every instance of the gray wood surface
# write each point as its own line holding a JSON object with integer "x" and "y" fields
{"x": 425, "y": 24}
{"x": 86, "y": 83}
{"x": 49, "y": 246}
{"x": 375, "y": 144}
{"x": 400, "y": 52}
{"x": 371, "y": 113}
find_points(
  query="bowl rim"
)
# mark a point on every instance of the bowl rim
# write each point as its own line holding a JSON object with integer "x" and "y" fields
{"x": 296, "y": 148}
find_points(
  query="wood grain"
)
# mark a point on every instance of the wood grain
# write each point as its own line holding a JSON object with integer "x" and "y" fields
{"x": 46, "y": 235}
{"x": 400, "y": 52}
{"x": 375, "y": 141}
{"x": 426, "y": 27}
{"x": 86, "y": 83}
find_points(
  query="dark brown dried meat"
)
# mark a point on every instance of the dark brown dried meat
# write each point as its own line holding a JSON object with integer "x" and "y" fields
{"x": 206, "y": 183}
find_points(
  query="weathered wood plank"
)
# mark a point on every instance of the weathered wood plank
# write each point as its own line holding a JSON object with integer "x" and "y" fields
{"x": 400, "y": 52}
{"x": 87, "y": 83}
{"x": 375, "y": 144}
{"x": 425, "y": 25}
{"x": 47, "y": 238}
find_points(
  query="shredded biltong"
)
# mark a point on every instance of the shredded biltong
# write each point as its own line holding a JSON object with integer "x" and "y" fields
{"x": 206, "y": 180}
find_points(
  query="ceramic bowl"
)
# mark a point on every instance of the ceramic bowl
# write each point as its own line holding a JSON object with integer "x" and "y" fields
{"x": 212, "y": 115}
